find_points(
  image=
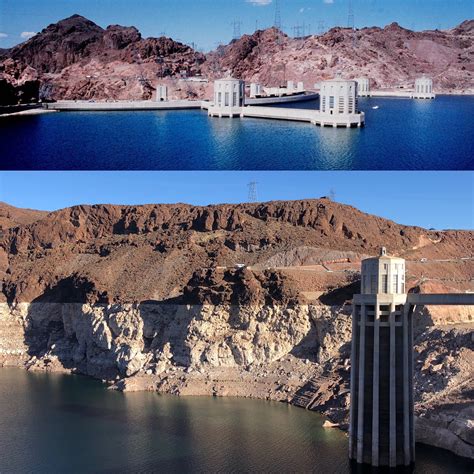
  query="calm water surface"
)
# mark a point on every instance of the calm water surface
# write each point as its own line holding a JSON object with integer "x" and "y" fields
{"x": 401, "y": 134}
{"x": 55, "y": 423}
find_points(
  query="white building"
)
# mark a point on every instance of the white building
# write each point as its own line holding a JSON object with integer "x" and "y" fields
{"x": 363, "y": 87}
{"x": 300, "y": 87}
{"x": 383, "y": 274}
{"x": 255, "y": 90}
{"x": 290, "y": 86}
{"x": 229, "y": 98}
{"x": 338, "y": 103}
{"x": 381, "y": 414}
{"x": 424, "y": 88}
{"x": 162, "y": 93}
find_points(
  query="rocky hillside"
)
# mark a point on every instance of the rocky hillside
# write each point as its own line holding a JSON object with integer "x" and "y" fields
{"x": 77, "y": 59}
{"x": 13, "y": 216}
{"x": 392, "y": 56}
{"x": 244, "y": 300}
{"x": 107, "y": 249}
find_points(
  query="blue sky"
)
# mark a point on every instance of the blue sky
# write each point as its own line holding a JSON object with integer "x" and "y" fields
{"x": 429, "y": 199}
{"x": 208, "y": 22}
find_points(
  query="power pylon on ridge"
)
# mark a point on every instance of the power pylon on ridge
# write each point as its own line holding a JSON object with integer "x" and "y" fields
{"x": 321, "y": 27}
{"x": 351, "y": 24}
{"x": 277, "y": 23}
{"x": 350, "y": 16}
{"x": 301, "y": 31}
{"x": 252, "y": 191}
{"x": 332, "y": 194}
{"x": 236, "y": 24}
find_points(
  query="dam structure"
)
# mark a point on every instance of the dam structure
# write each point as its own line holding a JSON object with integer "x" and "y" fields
{"x": 424, "y": 88}
{"x": 338, "y": 99}
{"x": 381, "y": 426}
{"x": 363, "y": 87}
{"x": 381, "y": 431}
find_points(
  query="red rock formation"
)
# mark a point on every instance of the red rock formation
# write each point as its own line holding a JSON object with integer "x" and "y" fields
{"x": 135, "y": 253}
{"x": 77, "y": 59}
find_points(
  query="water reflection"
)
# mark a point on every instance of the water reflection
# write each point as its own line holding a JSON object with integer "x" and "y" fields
{"x": 73, "y": 424}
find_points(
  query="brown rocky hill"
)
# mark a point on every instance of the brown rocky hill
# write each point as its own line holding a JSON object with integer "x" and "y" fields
{"x": 11, "y": 216}
{"x": 77, "y": 59}
{"x": 155, "y": 252}
{"x": 245, "y": 300}
{"x": 391, "y": 56}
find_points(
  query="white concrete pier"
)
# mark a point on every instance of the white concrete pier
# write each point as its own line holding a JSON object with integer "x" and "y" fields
{"x": 363, "y": 87}
{"x": 122, "y": 105}
{"x": 305, "y": 115}
{"x": 380, "y": 371}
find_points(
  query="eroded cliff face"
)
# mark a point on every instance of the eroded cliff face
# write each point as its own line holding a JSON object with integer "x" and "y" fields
{"x": 117, "y": 341}
{"x": 283, "y": 353}
{"x": 249, "y": 300}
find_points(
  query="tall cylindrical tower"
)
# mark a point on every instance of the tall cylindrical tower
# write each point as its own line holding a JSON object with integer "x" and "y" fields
{"x": 381, "y": 416}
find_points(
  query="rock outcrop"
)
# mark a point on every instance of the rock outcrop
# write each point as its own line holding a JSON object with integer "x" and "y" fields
{"x": 245, "y": 300}
{"x": 77, "y": 59}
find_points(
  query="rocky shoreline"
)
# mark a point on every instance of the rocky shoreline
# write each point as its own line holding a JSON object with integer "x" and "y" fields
{"x": 290, "y": 354}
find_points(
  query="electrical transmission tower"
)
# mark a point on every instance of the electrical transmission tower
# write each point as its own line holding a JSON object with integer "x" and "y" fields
{"x": 277, "y": 23}
{"x": 321, "y": 27}
{"x": 351, "y": 24}
{"x": 332, "y": 194}
{"x": 236, "y": 24}
{"x": 350, "y": 16}
{"x": 252, "y": 191}
{"x": 299, "y": 31}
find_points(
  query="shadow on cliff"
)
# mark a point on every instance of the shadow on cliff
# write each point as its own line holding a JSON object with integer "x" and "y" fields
{"x": 45, "y": 334}
{"x": 44, "y": 323}
{"x": 167, "y": 322}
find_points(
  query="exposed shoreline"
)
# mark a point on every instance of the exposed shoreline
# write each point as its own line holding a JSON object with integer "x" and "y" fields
{"x": 242, "y": 385}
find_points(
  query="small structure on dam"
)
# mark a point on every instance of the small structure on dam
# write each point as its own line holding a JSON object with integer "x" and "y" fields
{"x": 381, "y": 432}
{"x": 363, "y": 87}
{"x": 424, "y": 88}
{"x": 161, "y": 93}
{"x": 255, "y": 90}
{"x": 339, "y": 102}
{"x": 229, "y": 98}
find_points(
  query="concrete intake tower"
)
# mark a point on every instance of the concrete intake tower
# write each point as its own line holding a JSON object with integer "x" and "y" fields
{"x": 381, "y": 414}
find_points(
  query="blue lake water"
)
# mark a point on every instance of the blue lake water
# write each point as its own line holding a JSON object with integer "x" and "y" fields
{"x": 58, "y": 423}
{"x": 401, "y": 134}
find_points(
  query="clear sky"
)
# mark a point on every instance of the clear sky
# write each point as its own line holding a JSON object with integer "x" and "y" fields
{"x": 428, "y": 199}
{"x": 208, "y": 22}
